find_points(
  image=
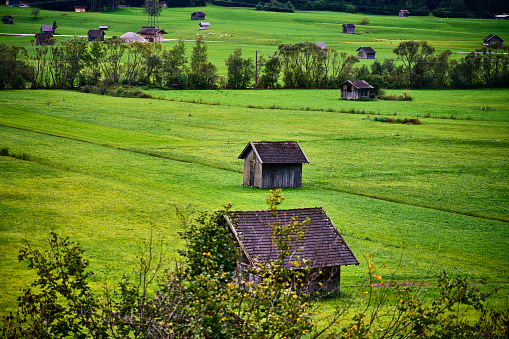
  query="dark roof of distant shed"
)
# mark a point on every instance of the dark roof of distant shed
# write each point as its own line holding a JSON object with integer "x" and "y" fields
{"x": 150, "y": 30}
{"x": 47, "y": 28}
{"x": 198, "y": 13}
{"x": 367, "y": 49}
{"x": 349, "y": 25}
{"x": 358, "y": 84}
{"x": 5, "y": 17}
{"x": 323, "y": 245}
{"x": 492, "y": 36}
{"x": 95, "y": 33}
{"x": 279, "y": 152}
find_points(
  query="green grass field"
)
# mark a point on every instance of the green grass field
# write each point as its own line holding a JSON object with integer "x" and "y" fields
{"x": 108, "y": 172}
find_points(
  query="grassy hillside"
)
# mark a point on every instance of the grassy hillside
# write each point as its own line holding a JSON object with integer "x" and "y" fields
{"x": 109, "y": 172}
{"x": 263, "y": 31}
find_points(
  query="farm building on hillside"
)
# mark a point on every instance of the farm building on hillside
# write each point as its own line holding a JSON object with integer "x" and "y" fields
{"x": 322, "y": 245}
{"x": 492, "y": 39}
{"x": 152, "y": 34}
{"x": 104, "y": 28}
{"x": 365, "y": 53}
{"x": 273, "y": 164}
{"x": 197, "y": 16}
{"x": 355, "y": 89}
{"x": 44, "y": 39}
{"x": 80, "y": 9}
{"x": 204, "y": 25}
{"x": 502, "y": 16}
{"x": 95, "y": 34}
{"x": 47, "y": 29}
{"x": 322, "y": 45}
{"x": 403, "y": 13}
{"x": 7, "y": 19}
{"x": 349, "y": 28}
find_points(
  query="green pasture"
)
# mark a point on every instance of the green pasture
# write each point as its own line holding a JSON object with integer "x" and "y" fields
{"x": 263, "y": 31}
{"x": 110, "y": 172}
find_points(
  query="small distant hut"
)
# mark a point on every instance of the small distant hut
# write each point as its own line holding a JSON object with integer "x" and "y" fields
{"x": 132, "y": 37}
{"x": 403, "y": 13}
{"x": 355, "y": 89}
{"x": 95, "y": 34}
{"x": 204, "y": 25}
{"x": 323, "y": 245}
{"x": 152, "y": 34}
{"x": 104, "y": 28}
{"x": 80, "y": 9}
{"x": 365, "y": 53}
{"x": 492, "y": 39}
{"x": 273, "y": 164}
{"x": 47, "y": 29}
{"x": 322, "y": 45}
{"x": 502, "y": 16}
{"x": 197, "y": 16}
{"x": 349, "y": 28}
{"x": 7, "y": 19}
{"x": 42, "y": 39}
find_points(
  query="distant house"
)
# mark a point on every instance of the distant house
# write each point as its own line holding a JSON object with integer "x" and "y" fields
{"x": 104, "y": 28}
{"x": 197, "y": 16}
{"x": 492, "y": 39}
{"x": 80, "y": 9}
{"x": 322, "y": 45}
{"x": 95, "y": 34}
{"x": 404, "y": 13}
{"x": 349, "y": 28}
{"x": 7, "y": 19}
{"x": 204, "y": 25}
{"x": 152, "y": 34}
{"x": 273, "y": 164}
{"x": 47, "y": 29}
{"x": 355, "y": 89}
{"x": 365, "y": 53}
{"x": 502, "y": 16}
{"x": 322, "y": 245}
{"x": 42, "y": 39}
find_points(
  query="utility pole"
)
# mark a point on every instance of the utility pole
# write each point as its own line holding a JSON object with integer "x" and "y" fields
{"x": 256, "y": 70}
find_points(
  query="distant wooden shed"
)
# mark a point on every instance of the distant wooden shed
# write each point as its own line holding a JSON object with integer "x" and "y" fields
{"x": 492, "y": 39}
{"x": 365, "y": 53}
{"x": 80, "y": 9}
{"x": 7, "y": 19}
{"x": 42, "y": 39}
{"x": 403, "y": 13}
{"x": 273, "y": 164}
{"x": 95, "y": 34}
{"x": 197, "y": 16}
{"x": 204, "y": 25}
{"x": 355, "y": 89}
{"x": 502, "y": 16}
{"x": 104, "y": 28}
{"x": 322, "y": 245}
{"x": 349, "y": 28}
{"x": 152, "y": 34}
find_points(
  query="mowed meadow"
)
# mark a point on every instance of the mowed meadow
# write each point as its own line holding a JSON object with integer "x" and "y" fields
{"x": 112, "y": 173}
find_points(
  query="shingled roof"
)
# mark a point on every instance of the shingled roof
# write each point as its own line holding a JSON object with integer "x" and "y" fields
{"x": 279, "y": 152}
{"x": 323, "y": 245}
{"x": 367, "y": 49}
{"x": 151, "y": 30}
{"x": 358, "y": 83}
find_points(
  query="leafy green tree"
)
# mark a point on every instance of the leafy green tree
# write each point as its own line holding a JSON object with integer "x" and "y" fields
{"x": 240, "y": 71}
{"x": 203, "y": 74}
{"x": 153, "y": 10}
{"x": 35, "y": 12}
{"x": 271, "y": 69}
{"x": 175, "y": 66}
{"x": 14, "y": 66}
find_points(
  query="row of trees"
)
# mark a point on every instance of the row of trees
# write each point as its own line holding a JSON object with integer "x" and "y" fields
{"x": 76, "y": 62}
{"x": 204, "y": 297}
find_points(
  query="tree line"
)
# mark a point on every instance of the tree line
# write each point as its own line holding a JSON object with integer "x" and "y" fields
{"x": 77, "y": 63}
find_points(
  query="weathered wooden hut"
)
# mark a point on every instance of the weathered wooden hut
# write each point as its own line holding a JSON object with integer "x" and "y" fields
{"x": 355, "y": 89}
{"x": 44, "y": 39}
{"x": 7, "y": 19}
{"x": 95, "y": 34}
{"x": 80, "y": 9}
{"x": 204, "y": 25}
{"x": 322, "y": 45}
{"x": 152, "y": 34}
{"x": 365, "y": 53}
{"x": 502, "y": 16}
{"x": 492, "y": 39}
{"x": 349, "y": 28}
{"x": 322, "y": 245}
{"x": 197, "y": 16}
{"x": 403, "y": 13}
{"x": 273, "y": 164}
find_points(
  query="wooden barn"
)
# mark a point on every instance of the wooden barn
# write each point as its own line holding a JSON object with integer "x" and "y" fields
{"x": 403, "y": 13}
{"x": 492, "y": 39}
{"x": 322, "y": 245}
{"x": 95, "y": 34}
{"x": 7, "y": 19}
{"x": 47, "y": 29}
{"x": 365, "y": 53}
{"x": 197, "y": 16}
{"x": 273, "y": 164}
{"x": 502, "y": 16}
{"x": 349, "y": 28}
{"x": 355, "y": 89}
{"x": 204, "y": 25}
{"x": 44, "y": 39}
{"x": 152, "y": 34}
{"x": 80, "y": 9}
